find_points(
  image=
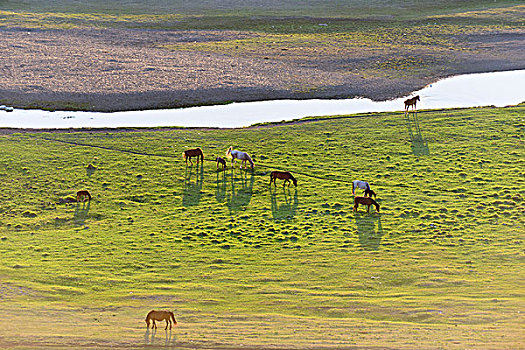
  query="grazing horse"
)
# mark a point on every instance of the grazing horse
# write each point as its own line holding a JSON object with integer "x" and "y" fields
{"x": 365, "y": 201}
{"x": 83, "y": 195}
{"x": 283, "y": 175}
{"x": 159, "y": 316}
{"x": 361, "y": 184}
{"x": 221, "y": 161}
{"x": 243, "y": 156}
{"x": 370, "y": 193}
{"x": 411, "y": 102}
{"x": 188, "y": 154}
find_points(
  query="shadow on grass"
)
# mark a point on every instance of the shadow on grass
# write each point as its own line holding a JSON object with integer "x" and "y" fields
{"x": 81, "y": 212}
{"x": 241, "y": 191}
{"x": 287, "y": 209}
{"x": 369, "y": 230}
{"x": 168, "y": 340}
{"x": 192, "y": 190}
{"x": 418, "y": 144}
{"x": 221, "y": 184}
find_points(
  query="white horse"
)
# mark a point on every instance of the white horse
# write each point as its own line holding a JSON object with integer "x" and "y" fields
{"x": 361, "y": 184}
{"x": 243, "y": 156}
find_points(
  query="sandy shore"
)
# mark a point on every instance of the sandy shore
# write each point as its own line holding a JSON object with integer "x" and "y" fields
{"x": 127, "y": 69}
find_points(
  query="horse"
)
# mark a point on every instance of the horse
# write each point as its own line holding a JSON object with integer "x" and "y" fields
{"x": 365, "y": 201}
{"x": 243, "y": 156}
{"x": 370, "y": 193}
{"x": 82, "y": 195}
{"x": 283, "y": 175}
{"x": 159, "y": 316}
{"x": 188, "y": 154}
{"x": 361, "y": 184}
{"x": 411, "y": 102}
{"x": 221, "y": 161}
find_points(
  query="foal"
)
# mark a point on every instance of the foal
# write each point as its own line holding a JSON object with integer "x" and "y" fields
{"x": 221, "y": 161}
{"x": 365, "y": 201}
{"x": 370, "y": 193}
{"x": 283, "y": 175}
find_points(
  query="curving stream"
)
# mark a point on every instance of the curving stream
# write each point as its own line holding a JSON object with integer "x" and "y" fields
{"x": 470, "y": 90}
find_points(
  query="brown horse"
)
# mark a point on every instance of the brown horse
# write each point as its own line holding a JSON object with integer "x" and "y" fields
{"x": 159, "y": 316}
{"x": 365, "y": 201}
{"x": 370, "y": 193}
{"x": 221, "y": 161}
{"x": 411, "y": 102}
{"x": 188, "y": 154}
{"x": 283, "y": 175}
{"x": 83, "y": 195}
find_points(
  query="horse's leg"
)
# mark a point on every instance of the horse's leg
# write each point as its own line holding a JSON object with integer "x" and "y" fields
{"x": 355, "y": 206}
{"x": 167, "y": 321}
{"x": 154, "y": 325}
{"x": 368, "y": 209}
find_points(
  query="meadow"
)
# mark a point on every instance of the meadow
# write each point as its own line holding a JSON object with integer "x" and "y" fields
{"x": 245, "y": 265}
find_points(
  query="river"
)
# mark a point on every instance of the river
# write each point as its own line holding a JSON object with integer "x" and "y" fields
{"x": 469, "y": 90}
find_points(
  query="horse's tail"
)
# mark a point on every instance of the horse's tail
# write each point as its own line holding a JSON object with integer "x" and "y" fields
{"x": 184, "y": 155}
{"x": 229, "y": 151}
{"x": 89, "y": 195}
{"x": 173, "y": 318}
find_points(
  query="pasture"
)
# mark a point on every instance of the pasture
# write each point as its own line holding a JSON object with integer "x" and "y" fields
{"x": 243, "y": 265}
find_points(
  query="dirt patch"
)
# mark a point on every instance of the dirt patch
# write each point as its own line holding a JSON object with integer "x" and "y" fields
{"x": 133, "y": 69}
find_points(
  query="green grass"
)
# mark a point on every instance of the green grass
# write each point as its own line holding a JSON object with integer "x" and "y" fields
{"x": 441, "y": 263}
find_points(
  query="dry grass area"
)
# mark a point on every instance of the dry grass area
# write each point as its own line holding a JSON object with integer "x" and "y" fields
{"x": 107, "y": 62}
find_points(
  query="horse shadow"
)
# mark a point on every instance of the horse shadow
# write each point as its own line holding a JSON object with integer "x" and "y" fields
{"x": 221, "y": 185}
{"x": 369, "y": 230}
{"x": 288, "y": 208}
{"x": 240, "y": 195}
{"x": 192, "y": 190}
{"x": 81, "y": 212}
{"x": 90, "y": 170}
{"x": 418, "y": 144}
{"x": 150, "y": 338}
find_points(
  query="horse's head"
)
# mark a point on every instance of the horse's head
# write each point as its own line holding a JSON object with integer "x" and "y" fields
{"x": 294, "y": 180}
{"x": 377, "y": 206}
{"x": 417, "y": 98}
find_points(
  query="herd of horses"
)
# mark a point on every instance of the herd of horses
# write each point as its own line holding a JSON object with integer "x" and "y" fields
{"x": 288, "y": 178}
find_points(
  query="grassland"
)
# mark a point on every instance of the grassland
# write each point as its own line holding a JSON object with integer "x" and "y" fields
{"x": 248, "y": 266}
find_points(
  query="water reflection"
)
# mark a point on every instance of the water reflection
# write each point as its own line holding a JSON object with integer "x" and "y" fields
{"x": 369, "y": 230}
{"x": 81, "y": 212}
{"x": 287, "y": 209}
{"x": 192, "y": 191}
{"x": 241, "y": 191}
{"x": 151, "y": 338}
{"x": 418, "y": 144}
